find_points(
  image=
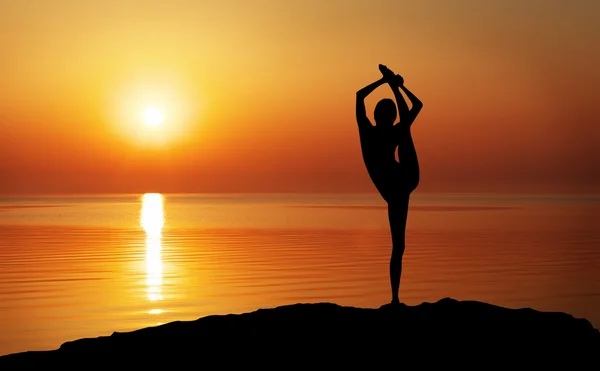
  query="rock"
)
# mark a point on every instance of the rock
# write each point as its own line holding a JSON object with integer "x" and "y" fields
{"x": 447, "y": 333}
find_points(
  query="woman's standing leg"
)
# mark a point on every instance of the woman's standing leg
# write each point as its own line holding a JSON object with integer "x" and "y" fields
{"x": 397, "y": 214}
{"x": 406, "y": 180}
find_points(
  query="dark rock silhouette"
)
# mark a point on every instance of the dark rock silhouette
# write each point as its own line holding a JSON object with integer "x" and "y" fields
{"x": 448, "y": 332}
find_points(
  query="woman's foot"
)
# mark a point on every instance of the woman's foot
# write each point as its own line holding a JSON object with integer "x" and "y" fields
{"x": 395, "y": 303}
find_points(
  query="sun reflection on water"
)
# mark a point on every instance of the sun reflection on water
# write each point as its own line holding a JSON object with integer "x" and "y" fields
{"x": 152, "y": 220}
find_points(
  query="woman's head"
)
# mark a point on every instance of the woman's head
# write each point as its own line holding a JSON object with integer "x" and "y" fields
{"x": 385, "y": 112}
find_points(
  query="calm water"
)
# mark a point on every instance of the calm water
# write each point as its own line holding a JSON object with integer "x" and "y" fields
{"x": 73, "y": 267}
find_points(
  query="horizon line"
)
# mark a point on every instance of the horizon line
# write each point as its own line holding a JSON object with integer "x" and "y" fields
{"x": 68, "y": 194}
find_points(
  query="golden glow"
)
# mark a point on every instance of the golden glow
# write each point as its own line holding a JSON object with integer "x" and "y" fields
{"x": 153, "y": 269}
{"x": 166, "y": 105}
{"x": 152, "y": 221}
{"x": 152, "y": 116}
{"x": 152, "y": 216}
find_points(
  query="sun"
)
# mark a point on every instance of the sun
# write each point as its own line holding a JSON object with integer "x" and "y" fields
{"x": 156, "y": 114}
{"x": 152, "y": 116}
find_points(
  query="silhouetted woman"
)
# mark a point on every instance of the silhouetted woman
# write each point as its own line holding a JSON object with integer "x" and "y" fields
{"x": 394, "y": 180}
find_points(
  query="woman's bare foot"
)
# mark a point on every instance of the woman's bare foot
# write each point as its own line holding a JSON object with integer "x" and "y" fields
{"x": 395, "y": 303}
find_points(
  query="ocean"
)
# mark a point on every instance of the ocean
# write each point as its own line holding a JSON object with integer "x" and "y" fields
{"x": 87, "y": 266}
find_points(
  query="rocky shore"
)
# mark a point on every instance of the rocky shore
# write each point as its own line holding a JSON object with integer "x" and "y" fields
{"x": 325, "y": 335}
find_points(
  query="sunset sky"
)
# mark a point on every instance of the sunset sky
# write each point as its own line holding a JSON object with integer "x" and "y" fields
{"x": 258, "y": 96}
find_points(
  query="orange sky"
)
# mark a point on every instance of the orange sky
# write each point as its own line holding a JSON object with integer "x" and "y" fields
{"x": 259, "y": 95}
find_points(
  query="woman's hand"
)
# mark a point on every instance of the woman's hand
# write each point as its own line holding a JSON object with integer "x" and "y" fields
{"x": 399, "y": 80}
{"x": 387, "y": 73}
